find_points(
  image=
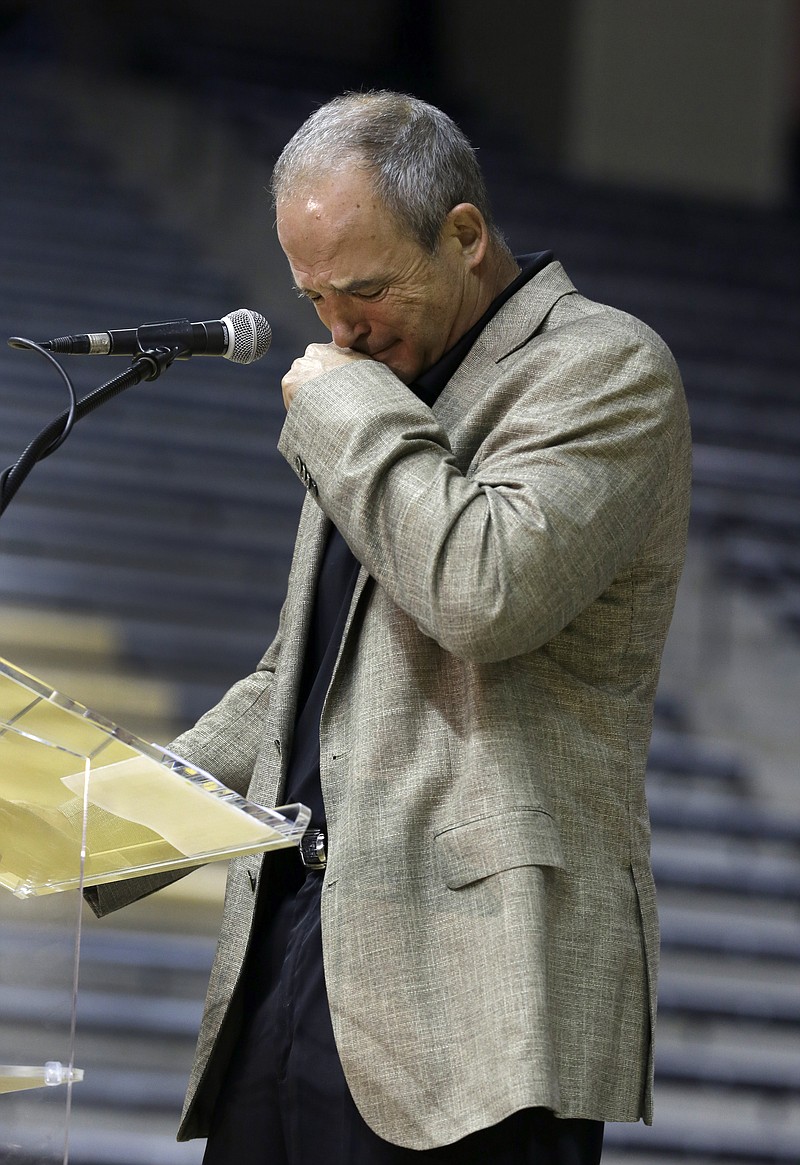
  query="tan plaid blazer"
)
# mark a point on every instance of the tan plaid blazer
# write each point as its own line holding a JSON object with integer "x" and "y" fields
{"x": 489, "y": 919}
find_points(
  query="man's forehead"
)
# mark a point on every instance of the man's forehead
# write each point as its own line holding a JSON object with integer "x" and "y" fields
{"x": 346, "y": 269}
{"x": 340, "y": 235}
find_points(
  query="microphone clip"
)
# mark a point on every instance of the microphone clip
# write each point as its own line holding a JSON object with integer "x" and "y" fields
{"x": 150, "y": 362}
{"x": 177, "y": 334}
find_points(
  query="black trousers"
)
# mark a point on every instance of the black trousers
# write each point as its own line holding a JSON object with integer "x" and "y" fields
{"x": 285, "y": 1100}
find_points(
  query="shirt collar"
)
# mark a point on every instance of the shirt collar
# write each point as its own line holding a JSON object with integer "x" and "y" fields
{"x": 429, "y": 385}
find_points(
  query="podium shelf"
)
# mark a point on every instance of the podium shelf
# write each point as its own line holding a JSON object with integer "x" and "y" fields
{"x": 17, "y": 1077}
{"x": 85, "y": 802}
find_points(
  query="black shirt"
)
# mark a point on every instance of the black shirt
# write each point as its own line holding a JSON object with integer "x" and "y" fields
{"x": 337, "y": 579}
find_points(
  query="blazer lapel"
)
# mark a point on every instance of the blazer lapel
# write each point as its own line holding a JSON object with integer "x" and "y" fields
{"x": 312, "y": 532}
{"x": 518, "y": 319}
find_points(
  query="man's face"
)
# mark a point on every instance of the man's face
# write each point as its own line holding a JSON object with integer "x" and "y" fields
{"x": 377, "y": 290}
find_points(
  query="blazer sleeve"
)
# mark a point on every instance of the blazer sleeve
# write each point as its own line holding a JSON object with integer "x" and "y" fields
{"x": 226, "y": 739}
{"x": 224, "y": 743}
{"x": 577, "y": 433}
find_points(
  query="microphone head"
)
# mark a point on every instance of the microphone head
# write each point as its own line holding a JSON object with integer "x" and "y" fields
{"x": 249, "y": 336}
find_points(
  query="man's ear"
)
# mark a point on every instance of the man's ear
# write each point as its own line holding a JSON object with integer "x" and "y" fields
{"x": 466, "y": 226}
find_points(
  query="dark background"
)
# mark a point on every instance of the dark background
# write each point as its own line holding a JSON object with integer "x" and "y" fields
{"x": 653, "y": 144}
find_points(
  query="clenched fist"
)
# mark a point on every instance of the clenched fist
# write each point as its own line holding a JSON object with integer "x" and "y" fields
{"x": 318, "y": 358}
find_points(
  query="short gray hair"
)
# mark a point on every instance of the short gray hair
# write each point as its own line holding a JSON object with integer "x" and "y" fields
{"x": 420, "y": 162}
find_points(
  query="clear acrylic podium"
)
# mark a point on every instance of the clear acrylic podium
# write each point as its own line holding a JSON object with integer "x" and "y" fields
{"x": 82, "y": 803}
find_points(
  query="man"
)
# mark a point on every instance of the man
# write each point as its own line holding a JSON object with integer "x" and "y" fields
{"x": 461, "y": 688}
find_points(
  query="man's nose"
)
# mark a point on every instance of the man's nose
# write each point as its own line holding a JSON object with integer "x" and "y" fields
{"x": 347, "y": 324}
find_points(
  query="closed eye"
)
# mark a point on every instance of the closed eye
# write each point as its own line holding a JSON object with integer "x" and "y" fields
{"x": 370, "y": 294}
{"x": 301, "y": 293}
{"x": 356, "y": 292}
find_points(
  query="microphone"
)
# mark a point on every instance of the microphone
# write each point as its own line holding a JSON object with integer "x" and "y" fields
{"x": 242, "y": 336}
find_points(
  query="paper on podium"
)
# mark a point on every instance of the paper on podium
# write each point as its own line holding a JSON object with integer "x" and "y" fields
{"x": 83, "y": 801}
{"x": 136, "y": 791}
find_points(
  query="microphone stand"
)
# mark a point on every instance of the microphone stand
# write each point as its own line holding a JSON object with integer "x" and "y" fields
{"x": 148, "y": 365}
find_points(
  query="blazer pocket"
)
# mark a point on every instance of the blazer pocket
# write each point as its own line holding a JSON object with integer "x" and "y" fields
{"x": 501, "y": 841}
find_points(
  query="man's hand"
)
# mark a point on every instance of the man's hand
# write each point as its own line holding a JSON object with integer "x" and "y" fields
{"x": 318, "y": 358}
